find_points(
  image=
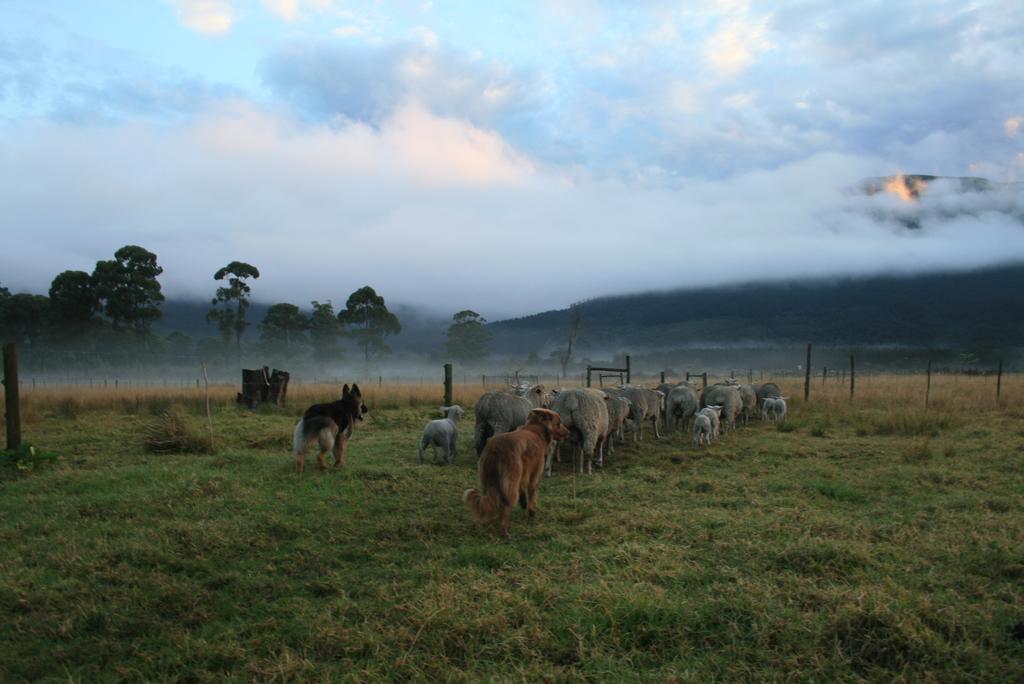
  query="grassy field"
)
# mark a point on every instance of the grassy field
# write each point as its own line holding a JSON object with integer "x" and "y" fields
{"x": 878, "y": 541}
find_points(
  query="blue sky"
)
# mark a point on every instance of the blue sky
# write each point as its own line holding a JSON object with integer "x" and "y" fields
{"x": 528, "y": 143}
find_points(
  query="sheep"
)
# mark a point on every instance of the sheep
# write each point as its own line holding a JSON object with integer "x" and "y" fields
{"x": 768, "y": 389}
{"x": 680, "y": 405}
{"x": 728, "y": 397}
{"x": 773, "y": 409}
{"x": 618, "y": 411}
{"x": 748, "y": 394}
{"x": 714, "y": 414}
{"x": 646, "y": 403}
{"x": 442, "y": 433}
{"x": 503, "y": 412}
{"x": 701, "y": 430}
{"x": 584, "y": 412}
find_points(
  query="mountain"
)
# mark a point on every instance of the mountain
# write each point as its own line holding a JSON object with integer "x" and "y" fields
{"x": 979, "y": 309}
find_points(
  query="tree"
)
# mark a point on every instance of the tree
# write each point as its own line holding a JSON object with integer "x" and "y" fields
{"x": 282, "y": 327}
{"x": 468, "y": 339}
{"x": 367, "y": 320}
{"x": 127, "y": 288}
{"x": 73, "y": 302}
{"x": 24, "y": 315}
{"x": 233, "y": 320}
{"x": 575, "y": 327}
{"x": 324, "y": 330}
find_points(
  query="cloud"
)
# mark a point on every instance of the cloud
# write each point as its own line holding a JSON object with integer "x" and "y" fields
{"x": 735, "y": 45}
{"x": 436, "y": 212}
{"x": 209, "y": 17}
{"x": 1012, "y": 125}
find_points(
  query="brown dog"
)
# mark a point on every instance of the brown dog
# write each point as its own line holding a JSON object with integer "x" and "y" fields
{"x": 511, "y": 467}
{"x": 330, "y": 425}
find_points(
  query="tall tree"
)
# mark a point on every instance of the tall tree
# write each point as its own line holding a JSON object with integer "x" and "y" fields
{"x": 575, "y": 327}
{"x": 127, "y": 288}
{"x": 232, "y": 320}
{"x": 324, "y": 330}
{"x": 24, "y": 318}
{"x": 73, "y": 303}
{"x": 468, "y": 339}
{"x": 367, "y": 320}
{"x": 282, "y": 328}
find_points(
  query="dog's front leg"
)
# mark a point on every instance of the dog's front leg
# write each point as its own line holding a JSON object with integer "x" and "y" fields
{"x": 339, "y": 449}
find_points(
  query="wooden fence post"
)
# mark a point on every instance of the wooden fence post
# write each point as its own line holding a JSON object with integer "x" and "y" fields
{"x": 627, "y": 370}
{"x": 209, "y": 418}
{"x": 807, "y": 374}
{"x": 824, "y": 375}
{"x": 999, "y": 380}
{"x": 853, "y": 378}
{"x": 662, "y": 377}
{"x": 13, "y": 413}
{"x": 928, "y": 387}
{"x": 447, "y": 384}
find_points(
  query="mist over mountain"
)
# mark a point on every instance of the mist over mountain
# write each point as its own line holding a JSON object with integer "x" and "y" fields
{"x": 978, "y": 309}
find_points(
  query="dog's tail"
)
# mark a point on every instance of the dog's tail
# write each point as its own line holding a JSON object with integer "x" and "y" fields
{"x": 298, "y": 438}
{"x": 484, "y": 507}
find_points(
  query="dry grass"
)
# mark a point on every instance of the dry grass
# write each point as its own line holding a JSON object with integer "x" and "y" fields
{"x": 949, "y": 393}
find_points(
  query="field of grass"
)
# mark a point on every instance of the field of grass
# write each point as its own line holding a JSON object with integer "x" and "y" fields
{"x": 880, "y": 541}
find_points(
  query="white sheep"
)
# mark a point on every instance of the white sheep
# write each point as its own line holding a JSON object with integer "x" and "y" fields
{"x": 714, "y": 415}
{"x": 773, "y": 409}
{"x": 702, "y": 430}
{"x": 442, "y": 433}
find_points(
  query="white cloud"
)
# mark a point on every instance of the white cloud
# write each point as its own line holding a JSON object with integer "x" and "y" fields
{"x": 1012, "y": 125}
{"x": 735, "y": 46}
{"x": 419, "y": 203}
{"x": 210, "y": 17}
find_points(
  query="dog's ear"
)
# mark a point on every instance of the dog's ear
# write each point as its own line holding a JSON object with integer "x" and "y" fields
{"x": 355, "y": 389}
{"x": 344, "y": 390}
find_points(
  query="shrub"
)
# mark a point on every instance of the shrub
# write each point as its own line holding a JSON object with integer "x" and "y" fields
{"x": 170, "y": 434}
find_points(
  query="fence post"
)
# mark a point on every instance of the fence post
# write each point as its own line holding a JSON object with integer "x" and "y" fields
{"x": 853, "y": 378}
{"x": 13, "y": 414}
{"x": 588, "y": 382}
{"x": 627, "y": 370}
{"x": 807, "y": 374}
{"x": 662, "y": 377}
{"x": 999, "y": 380}
{"x": 704, "y": 379}
{"x": 824, "y": 374}
{"x": 447, "y": 384}
{"x": 928, "y": 387}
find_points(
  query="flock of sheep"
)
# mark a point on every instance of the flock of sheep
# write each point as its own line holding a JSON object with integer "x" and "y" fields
{"x": 597, "y": 417}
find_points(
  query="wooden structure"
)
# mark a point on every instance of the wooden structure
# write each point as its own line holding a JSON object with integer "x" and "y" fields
{"x": 13, "y": 408}
{"x": 263, "y": 386}
{"x": 703, "y": 378}
{"x": 623, "y": 374}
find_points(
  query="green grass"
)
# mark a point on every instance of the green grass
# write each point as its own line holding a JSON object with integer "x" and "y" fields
{"x": 882, "y": 548}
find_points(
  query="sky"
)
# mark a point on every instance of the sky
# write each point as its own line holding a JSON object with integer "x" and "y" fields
{"x": 507, "y": 157}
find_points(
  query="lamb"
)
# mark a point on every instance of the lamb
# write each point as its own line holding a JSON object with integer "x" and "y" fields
{"x": 701, "y": 430}
{"x": 585, "y": 414}
{"x": 728, "y": 397}
{"x": 442, "y": 433}
{"x": 503, "y": 412}
{"x": 773, "y": 408}
{"x": 714, "y": 415}
{"x": 646, "y": 403}
{"x": 680, "y": 405}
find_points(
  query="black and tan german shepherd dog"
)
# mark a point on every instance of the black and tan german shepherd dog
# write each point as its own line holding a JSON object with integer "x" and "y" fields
{"x": 330, "y": 425}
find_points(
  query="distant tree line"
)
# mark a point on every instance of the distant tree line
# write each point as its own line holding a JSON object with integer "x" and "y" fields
{"x": 111, "y": 312}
